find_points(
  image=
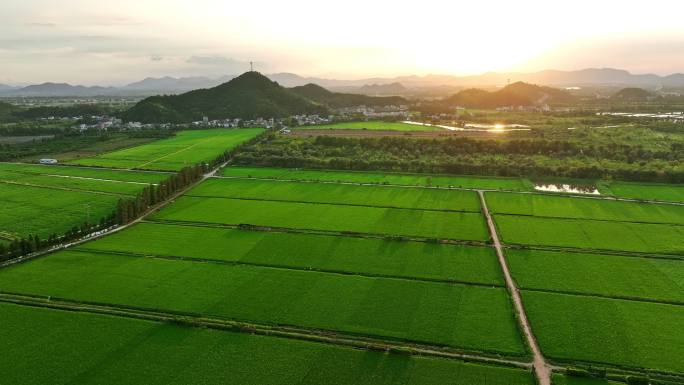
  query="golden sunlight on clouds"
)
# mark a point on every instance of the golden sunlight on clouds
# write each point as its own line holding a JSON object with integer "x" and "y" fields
{"x": 346, "y": 39}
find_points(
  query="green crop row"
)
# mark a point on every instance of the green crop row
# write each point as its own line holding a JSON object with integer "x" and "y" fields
{"x": 463, "y": 316}
{"x": 385, "y": 196}
{"x": 326, "y": 217}
{"x": 59, "y": 347}
{"x": 307, "y": 251}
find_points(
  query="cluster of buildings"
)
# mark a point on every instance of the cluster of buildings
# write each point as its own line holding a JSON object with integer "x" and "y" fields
{"x": 370, "y": 112}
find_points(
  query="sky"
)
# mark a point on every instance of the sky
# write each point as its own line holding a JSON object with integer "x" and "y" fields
{"x": 114, "y": 43}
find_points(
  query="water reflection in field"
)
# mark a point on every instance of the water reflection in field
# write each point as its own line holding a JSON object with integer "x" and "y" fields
{"x": 567, "y": 188}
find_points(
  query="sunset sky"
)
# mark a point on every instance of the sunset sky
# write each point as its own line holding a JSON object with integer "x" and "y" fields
{"x": 111, "y": 43}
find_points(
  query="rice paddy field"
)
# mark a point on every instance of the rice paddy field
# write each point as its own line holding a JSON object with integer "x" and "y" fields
{"x": 373, "y": 125}
{"x": 349, "y": 256}
{"x": 604, "y": 330}
{"x": 542, "y": 205}
{"x": 595, "y": 274}
{"x": 44, "y": 200}
{"x": 474, "y": 182}
{"x": 428, "y": 261}
{"x": 86, "y": 348}
{"x": 328, "y": 217}
{"x": 341, "y": 194}
{"x": 592, "y": 235}
{"x": 658, "y": 192}
{"x": 464, "y": 316}
{"x": 187, "y": 148}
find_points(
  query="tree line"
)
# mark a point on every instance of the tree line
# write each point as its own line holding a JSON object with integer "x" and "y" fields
{"x": 466, "y": 156}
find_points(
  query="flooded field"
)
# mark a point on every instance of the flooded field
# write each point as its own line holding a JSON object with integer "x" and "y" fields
{"x": 567, "y": 188}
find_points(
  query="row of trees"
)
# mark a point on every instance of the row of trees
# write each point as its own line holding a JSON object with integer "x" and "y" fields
{"x": 457, "y": 156}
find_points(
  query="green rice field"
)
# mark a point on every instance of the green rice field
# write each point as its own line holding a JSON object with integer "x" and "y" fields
{"x": 463, "y": 316}
{"x": 83, "y": 348}
{"x": 373, "y": 125}
{"x": 383, "y": 196}
{"x": 362, "y": 256}
{"x": 327, "y": 217}
{"x": 27, "y": 210}
{"x": 609, "y": 331}
{"x": 542, "y": 205}
{"x": 606, "y": 275}
{"x": 588, "y": 234}
{"x": 559, "y": 379}
{"x": 493, "y": 183}
{"x": 658, "y": 192}
{"x": 187, "y": 148}
{"x": 42, "y": 200}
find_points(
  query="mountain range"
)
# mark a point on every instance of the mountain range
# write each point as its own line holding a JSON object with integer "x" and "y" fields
{"x": 402, "y": 85}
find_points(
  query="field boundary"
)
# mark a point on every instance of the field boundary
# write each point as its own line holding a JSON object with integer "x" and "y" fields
{"x": 605, "y": 296}
{"x": 579, "y": 250}
{"x": 316, "y": 335}
{"x": 251, "y": 227}
{"x": 588, "y": 219}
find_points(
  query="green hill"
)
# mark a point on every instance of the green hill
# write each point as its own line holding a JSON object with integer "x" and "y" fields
{"x": 516, "y": 94}
{"x": 250, "y": 95}
{"x": 331, "y": 99}
{"x": 632, "y": 94}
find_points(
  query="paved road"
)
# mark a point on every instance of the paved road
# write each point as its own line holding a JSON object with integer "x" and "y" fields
{"x": 541, "y": 368}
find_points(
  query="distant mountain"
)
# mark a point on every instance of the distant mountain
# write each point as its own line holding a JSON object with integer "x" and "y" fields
{"x": 382, "y": 89}
{"x": 248, "y": 96}
{"x": 60, "y": 89}
{"x": 585, "y": 77}
{"x": 170, "y": 85}
{"x": 322, "y": 96}
{"x": 516, "y": 94}
{"x": 632, "y": 94}
{"x": 411, "y": 85}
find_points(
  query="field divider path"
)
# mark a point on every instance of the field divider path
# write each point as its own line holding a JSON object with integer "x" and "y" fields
{"x": 541, "y": 368}
{"x": 600, "y": 197}
{"x": 97, "y": 179}
{"x": 64, "y": 188}
{"x": 579, "y": 250}
{"x": 290, "y": 267}
{"x": 276, "y": 229}
{"x": 589, "y": 219}
{"x": 290, "y": 332}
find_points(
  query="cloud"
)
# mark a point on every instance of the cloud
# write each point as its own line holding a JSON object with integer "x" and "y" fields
{"x": 213, "y": 61}
{"x": 42, "y": 25}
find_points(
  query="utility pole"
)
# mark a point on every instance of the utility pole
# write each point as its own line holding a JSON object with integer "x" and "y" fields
{"x": 251, "y": 66}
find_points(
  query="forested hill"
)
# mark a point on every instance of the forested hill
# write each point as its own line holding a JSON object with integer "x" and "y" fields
{"x": 320, "y": 95}
{"x": 248, "y": 96}
{"x": 516, "y": 94}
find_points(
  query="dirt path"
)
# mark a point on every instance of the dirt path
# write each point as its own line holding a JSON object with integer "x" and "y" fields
{"x": 541, "y": 368}
{"x": 96, "y": 179}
